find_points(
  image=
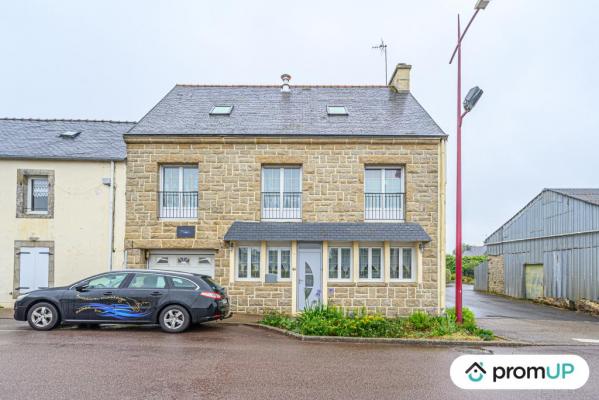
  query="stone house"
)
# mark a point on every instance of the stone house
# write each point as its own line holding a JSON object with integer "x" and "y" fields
{"x": 62, "y": 217}
{"x": 290, "y": 196}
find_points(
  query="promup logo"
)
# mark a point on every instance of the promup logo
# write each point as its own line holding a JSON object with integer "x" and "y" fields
{"x": 519, "y": 372}
{"x": 476, "y": 372}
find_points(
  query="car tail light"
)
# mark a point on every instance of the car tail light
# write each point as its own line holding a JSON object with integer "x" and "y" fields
{"x": 212, "y": 295}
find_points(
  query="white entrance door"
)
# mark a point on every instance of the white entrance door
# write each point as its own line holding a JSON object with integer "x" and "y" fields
{"x": 194, "y": 261}
{"x": 34, "y": 262}
{"x": 309, "y": 275}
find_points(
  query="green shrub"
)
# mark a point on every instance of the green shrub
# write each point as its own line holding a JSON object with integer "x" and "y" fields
{"x": 467, "y": 316}
{"x": 278, "y": 320}
{"x": 420, "y": 320}
{"x": 331, "y": 321}
{"x": 468, "y": 264}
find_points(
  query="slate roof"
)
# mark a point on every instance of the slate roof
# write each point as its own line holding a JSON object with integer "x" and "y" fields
{"x": 586, "y": 195}
{"x": 264, "y": 110}
{"x": 39, "y": 139}
{"x": 318, "y": 231}
{"x": 475, "y": 251}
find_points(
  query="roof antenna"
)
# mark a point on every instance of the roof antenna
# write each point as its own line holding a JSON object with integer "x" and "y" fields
{"x": 383, "y": 48}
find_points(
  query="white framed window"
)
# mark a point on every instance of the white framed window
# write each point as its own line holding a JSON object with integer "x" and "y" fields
{"x": 282, "y": 193}
{"x": 403, "y": 265}
{"x": 178, "y": 194}
{"x": 371, "y": 264}
{"x": 248, "y": 263}
{"x": 340, "y": 263}
{"x": 37, "y": 194}
{"x": 279, "y": 262}
{"x": 383, "y": 194}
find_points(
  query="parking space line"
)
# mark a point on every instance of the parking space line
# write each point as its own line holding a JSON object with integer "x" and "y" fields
{"x": 583, "y": 340}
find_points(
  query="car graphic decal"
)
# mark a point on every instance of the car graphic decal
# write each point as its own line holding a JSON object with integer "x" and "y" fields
{"x": 115, "y": 307}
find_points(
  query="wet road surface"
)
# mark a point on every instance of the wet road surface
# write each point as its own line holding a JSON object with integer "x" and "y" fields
{"x": 527, "y": 321}
{"x": 225, "y": 361}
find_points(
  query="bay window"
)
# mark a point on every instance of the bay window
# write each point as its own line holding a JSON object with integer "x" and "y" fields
{"x": 402, "y": 264}
{"x": 371, "y": 263}
{"x": 340, "y": 263}
{"x": 279, "y": 262}
{"x": 248, "y": 263}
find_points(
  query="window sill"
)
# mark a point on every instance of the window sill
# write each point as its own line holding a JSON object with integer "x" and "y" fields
{"x": 285, "y": 283}
{"x": 333, "y": 282}
{"x": 385, "y": 220}
{"x": 339, "y": 282}
{"x": 162, "y": 219}
{"x": 282, "y": 219}
{"x": 402, "y": 283}
{"x": 252, "y": 280}
{"x": 35, "y": 215}
{"x": 371, "y": 283}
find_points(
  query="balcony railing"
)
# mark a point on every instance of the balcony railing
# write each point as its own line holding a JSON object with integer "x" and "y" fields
{"x": 281, "y": 205}
{"x": 384, "y": 206}
{"x": 178, "y": 205}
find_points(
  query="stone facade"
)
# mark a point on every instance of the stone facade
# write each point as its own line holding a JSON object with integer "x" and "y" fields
{"x": 496, "y": 275}
{"x": 391, "y": 299}
{"x": 332, "y": 191}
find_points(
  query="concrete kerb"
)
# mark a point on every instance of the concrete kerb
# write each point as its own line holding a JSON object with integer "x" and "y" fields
{"x": 398, "y": 341}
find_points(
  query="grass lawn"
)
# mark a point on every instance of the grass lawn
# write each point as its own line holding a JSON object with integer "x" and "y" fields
{"x": 331, "y": 321}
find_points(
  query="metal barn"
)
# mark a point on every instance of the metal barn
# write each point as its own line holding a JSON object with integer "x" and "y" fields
{"x": 551, "y": 247}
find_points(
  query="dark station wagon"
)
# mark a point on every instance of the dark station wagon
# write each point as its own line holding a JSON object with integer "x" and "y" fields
{"x": 175, "y": 300}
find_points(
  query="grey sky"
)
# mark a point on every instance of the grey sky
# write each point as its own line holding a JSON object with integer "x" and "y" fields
{"x": 536, "y": 126}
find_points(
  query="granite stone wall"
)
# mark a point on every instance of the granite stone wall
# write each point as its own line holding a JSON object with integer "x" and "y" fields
{"x": 333, "y": 191}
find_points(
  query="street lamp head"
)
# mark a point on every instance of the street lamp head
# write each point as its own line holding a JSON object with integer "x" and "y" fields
{"x": 472, "y": 98}
{"x": 481, "y": 4}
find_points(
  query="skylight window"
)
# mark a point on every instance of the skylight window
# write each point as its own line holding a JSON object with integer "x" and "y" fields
{"x": 337, "y": 110}
{"x": 69, "y": 134}
{"x": 221, "y": 110}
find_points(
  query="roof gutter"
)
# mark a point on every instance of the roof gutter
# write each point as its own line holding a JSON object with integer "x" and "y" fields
{"x": 543, "y": 237}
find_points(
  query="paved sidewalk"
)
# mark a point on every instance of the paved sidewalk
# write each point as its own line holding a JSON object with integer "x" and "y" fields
{"x": 242, "y": 319}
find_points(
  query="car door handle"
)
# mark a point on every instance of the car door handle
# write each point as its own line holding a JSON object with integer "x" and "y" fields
{"x": 156, "y": 294}
{"x": 107, "y": 293}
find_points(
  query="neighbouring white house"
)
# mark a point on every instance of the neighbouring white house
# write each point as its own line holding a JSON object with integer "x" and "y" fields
{"x": 62, "y": 207}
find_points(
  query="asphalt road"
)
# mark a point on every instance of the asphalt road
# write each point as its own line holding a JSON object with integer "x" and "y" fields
{"x": 527, "y": 321}
{"x": 224, "y": 361}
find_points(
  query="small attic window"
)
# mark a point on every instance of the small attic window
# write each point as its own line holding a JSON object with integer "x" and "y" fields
{"x": 69, "y": 134}
{"x": 221, "y": 110}
{"x": 337, "y": 110}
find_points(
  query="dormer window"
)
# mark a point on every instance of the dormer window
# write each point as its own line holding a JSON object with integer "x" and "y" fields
{"x": 337, "y": 110}
{"x": 221, "y": 110}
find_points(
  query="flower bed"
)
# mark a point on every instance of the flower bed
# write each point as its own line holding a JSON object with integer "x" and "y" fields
{"x": 331, "y": 321}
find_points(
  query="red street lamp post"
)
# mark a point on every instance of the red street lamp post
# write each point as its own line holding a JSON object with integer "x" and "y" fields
{"x": 469, "y": 102}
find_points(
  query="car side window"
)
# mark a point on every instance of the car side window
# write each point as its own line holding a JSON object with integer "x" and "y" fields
{"x": 182, "y": 283}
{"x": 108, "y": 281}
{"x": 147, "y": 281}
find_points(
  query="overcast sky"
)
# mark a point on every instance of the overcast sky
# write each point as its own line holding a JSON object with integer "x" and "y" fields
{"x": 536, "y": 126}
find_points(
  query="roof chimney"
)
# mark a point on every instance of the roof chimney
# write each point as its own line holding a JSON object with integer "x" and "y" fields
{"x": 400, "y": 79}
{"x": 285, "y": 86}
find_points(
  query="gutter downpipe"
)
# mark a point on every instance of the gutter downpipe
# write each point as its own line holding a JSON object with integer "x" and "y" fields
{"x": 111, "y": 217}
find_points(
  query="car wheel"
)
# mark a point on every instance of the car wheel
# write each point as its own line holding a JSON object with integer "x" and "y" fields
{"x": 174, "y": 319}
{"x": 43, "y": 317}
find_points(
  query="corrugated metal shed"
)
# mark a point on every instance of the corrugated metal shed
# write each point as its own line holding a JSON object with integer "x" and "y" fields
{"x": 559, "y": 229}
